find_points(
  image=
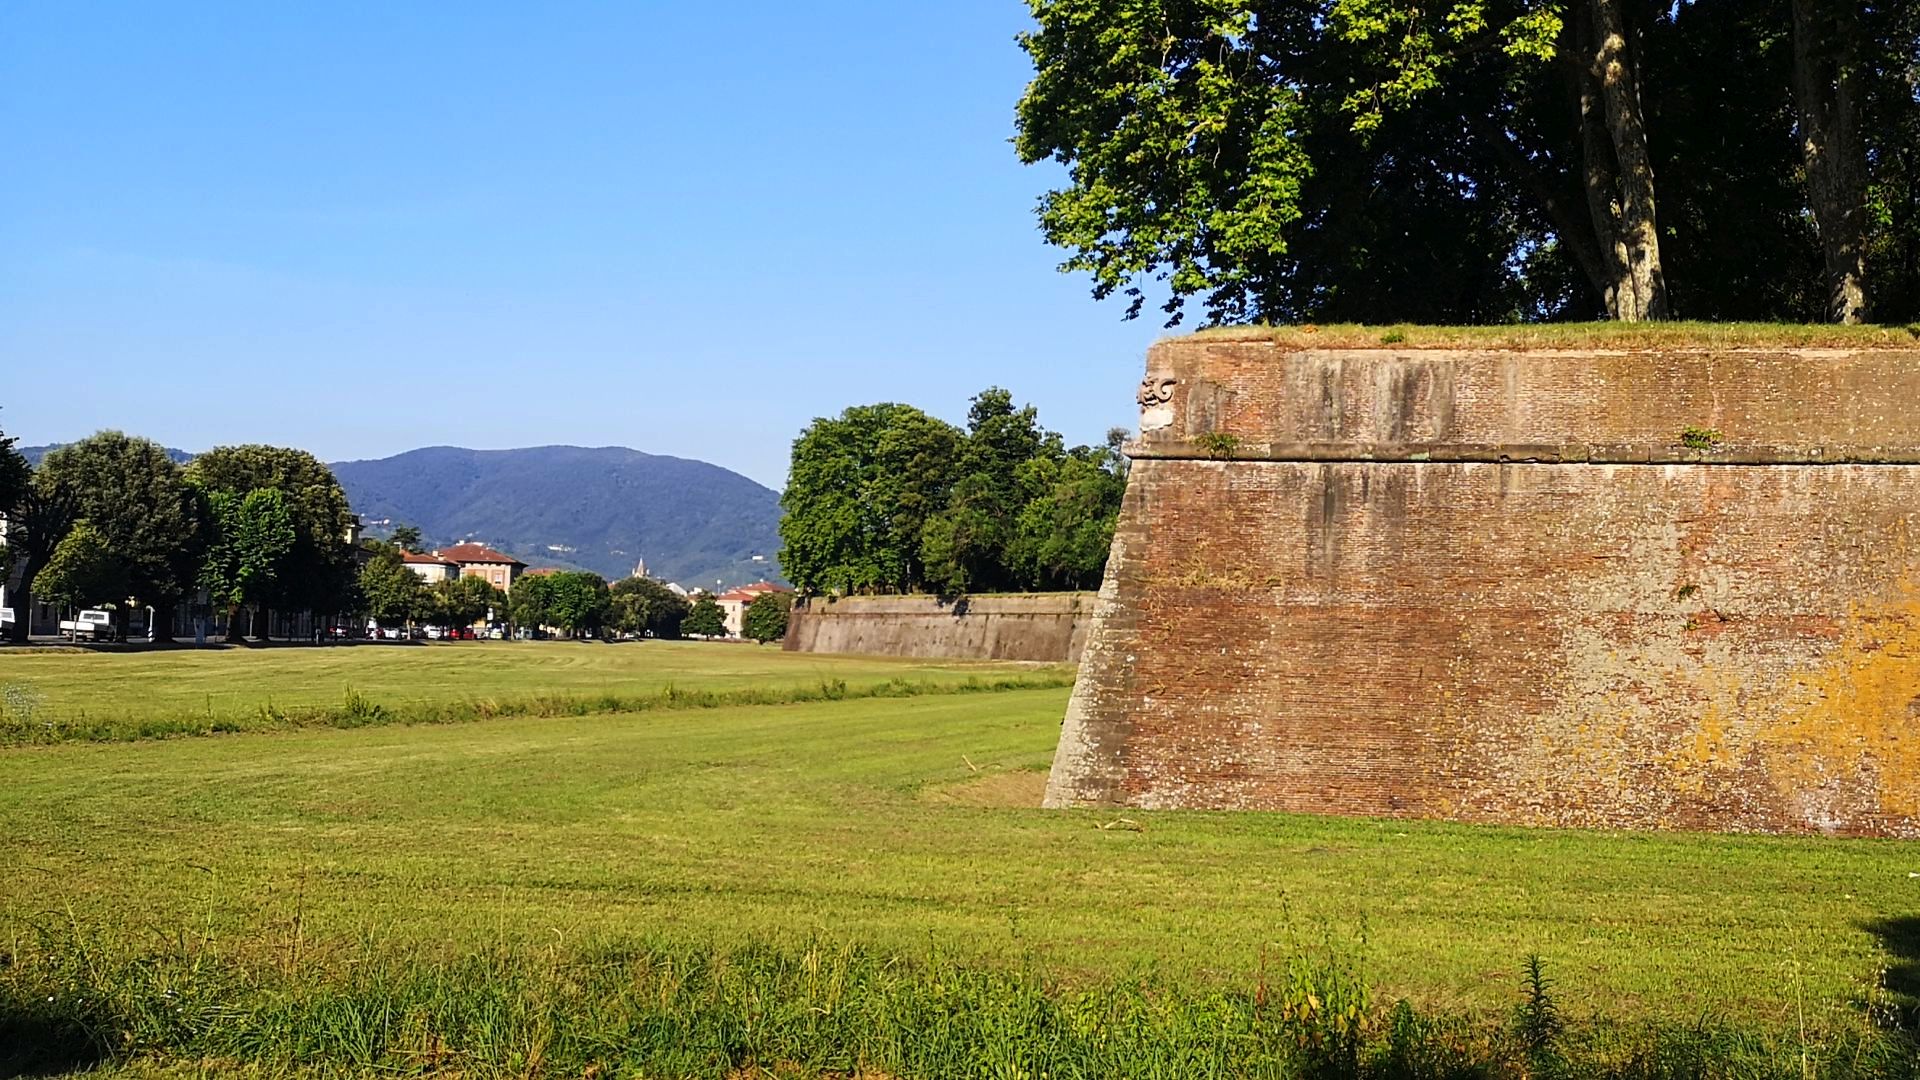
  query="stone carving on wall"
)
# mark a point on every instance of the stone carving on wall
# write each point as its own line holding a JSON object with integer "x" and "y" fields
{"x": 1156, "y": 402}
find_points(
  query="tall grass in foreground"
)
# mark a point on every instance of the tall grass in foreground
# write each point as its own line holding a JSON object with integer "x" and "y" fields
{"x": 662, "y": 1009}
{"x": 25, "y": 726}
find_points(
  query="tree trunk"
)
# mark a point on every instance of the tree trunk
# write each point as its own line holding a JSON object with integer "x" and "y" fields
{"x": 1825, "y": 91}
{"x": 1619, "y": 170}
{"x": 21, "y": 597}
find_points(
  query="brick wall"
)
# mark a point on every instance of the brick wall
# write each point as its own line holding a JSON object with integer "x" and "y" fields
{"x": 1501, "y": 587}
{"x": 1042, "y": 626}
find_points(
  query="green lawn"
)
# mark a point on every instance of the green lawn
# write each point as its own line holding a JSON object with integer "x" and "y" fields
{"x": 116, "y": 692}
{"x": 905, "y": 825}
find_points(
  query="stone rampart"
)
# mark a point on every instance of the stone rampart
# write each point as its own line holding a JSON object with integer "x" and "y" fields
{"x": 1048, "y": 627}
{"x": 1662, "y": 588}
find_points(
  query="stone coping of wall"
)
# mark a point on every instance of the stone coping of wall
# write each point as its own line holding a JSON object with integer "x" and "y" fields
{"x": 1255, "y": 399}
{"x": 1595, "y": 335}
{"x": 924, "y": 603}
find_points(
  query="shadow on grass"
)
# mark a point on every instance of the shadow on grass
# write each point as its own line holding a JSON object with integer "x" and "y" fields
{"x": 1900, "y": 937}
{"x": 34, "y": 1044}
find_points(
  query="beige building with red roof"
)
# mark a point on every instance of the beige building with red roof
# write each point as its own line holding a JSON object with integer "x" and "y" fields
{"x": 478, "y": 560}
{"x": 734, "y": 603}
{"x": 432, "y": 568}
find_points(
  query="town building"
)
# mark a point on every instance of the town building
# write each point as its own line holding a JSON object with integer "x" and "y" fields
{"x": 432, "y": 568}
{"x": 478, "y": 560}
{"x": 734, "y": 603}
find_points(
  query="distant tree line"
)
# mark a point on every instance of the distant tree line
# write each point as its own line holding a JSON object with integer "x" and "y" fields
{"x": 114, "y": 518}
{"x": 255, "y": 529}
{"x": 1473, "y": 161}
{"x": 887, "y": 499}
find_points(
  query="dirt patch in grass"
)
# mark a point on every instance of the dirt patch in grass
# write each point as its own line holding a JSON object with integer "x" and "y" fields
{"x": 999, "y": 790}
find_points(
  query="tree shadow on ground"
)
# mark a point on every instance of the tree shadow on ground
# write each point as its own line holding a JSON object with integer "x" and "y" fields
{"x": 1900, "y": 938}
{"x": 35, "y": 1044}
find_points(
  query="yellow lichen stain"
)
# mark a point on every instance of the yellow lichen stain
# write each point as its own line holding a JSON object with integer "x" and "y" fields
{"x": 1857, "y": 712}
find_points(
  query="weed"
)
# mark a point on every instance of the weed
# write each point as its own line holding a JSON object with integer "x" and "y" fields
{"x": 1699, "y": 438}
{"x": 1393, "y": 337}
{"x": 1219, "y": 445}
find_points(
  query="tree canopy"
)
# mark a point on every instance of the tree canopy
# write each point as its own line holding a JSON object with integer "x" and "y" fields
{"x": 765, "y": 618}
{"x": 705, "y": 619}
{"x": 137, "y": 499}
{"x": 886, "y": 499}
{"x": 644, "y": 606}
{"x": 319, "y": 566}
{"x": 1483, "y": 160}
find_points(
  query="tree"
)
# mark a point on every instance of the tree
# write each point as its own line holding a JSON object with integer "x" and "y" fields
{"x": 407, "y": 538}
{"x": 859, "y": 492}
{"x": 465, "y": 600}
{"x": 392, "y": 594}
{"x": 532, "y": 601}
{"x": 1481, "y": 160}
{"x": 643, "y": 606}
{"x": 252, "y": 541}
{"x": 319, "y": 569}
{"x": 15, "y": 475}
{"x": 136, "y": 496}
{"x": 1065, "y": 528}
{"x": 39, "y": 519}
{"x": 578, "y": 601}
{"x": 766, "y": 617}
{"x": 705, "y": 619}
{"x": 965, "y": 546}
{"x": 84, "y": 570}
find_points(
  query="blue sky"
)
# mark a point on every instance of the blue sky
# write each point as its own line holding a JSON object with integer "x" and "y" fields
{"x": 685, "y": 228}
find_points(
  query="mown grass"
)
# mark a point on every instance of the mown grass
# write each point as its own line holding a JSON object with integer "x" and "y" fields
{"x": 520, "y": 868}
{"x": 57, "y": 695}
{"x": 1600, "y": 335}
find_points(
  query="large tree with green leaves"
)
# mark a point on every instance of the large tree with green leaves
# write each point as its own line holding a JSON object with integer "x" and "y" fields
{"x": 766, "y": 615}
{"x": 84, "y": 570}
{"x": 1478, "y": 160}
{"x": 138, "y": 499}
{"x": 319, "y": 568}
{"x": 860, "y": 490}
{"x": 251, "y": 542}
{"x": 578, "y": 601}
{"x": 705, "y": 618}
{"x": 389, "y": 592}
{"x": 40, "y": 517}
{"x": 644, "y": 606}
{"x": 467, "y": 599}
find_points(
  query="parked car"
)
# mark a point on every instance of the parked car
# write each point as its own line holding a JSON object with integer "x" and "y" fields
{"x": 92, "y": 624}
{"x": 498, "y": 633}
{"x": 434, "y": 633}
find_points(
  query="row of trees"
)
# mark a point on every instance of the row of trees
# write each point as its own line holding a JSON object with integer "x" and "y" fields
{"x": 1485, "y": 160}
{"x": 114, "y": 518}
{"x": 885, "y": 498}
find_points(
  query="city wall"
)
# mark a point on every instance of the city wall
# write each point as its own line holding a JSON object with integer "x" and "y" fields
{"x": 1672, "y": 587}
{"x": 1048, "y": 627}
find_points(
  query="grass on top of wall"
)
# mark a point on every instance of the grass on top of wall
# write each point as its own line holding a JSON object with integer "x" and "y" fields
{"x": 1598, "y": 335}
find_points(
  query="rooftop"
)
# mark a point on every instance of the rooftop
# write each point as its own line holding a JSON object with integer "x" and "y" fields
{"x": 476, "y": 553}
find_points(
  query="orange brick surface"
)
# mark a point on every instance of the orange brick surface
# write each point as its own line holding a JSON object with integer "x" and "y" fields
{"x": 1500, "y": 587}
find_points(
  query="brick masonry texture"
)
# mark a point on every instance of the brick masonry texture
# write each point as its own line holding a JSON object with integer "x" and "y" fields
{"x": 1049, "y": 627}
{"x": 1379, "y": 583}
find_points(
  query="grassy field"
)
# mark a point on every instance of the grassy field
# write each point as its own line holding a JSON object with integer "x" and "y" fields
{"x": 56, "y": 694}
{"x": 905, "y": 826}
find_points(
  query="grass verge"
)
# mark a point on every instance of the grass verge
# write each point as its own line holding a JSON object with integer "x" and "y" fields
{"x": 655, "y": 1008}
{"x": 21, "y": 727}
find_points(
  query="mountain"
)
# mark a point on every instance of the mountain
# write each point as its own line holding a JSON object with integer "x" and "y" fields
{"x": 600, "y": 509}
